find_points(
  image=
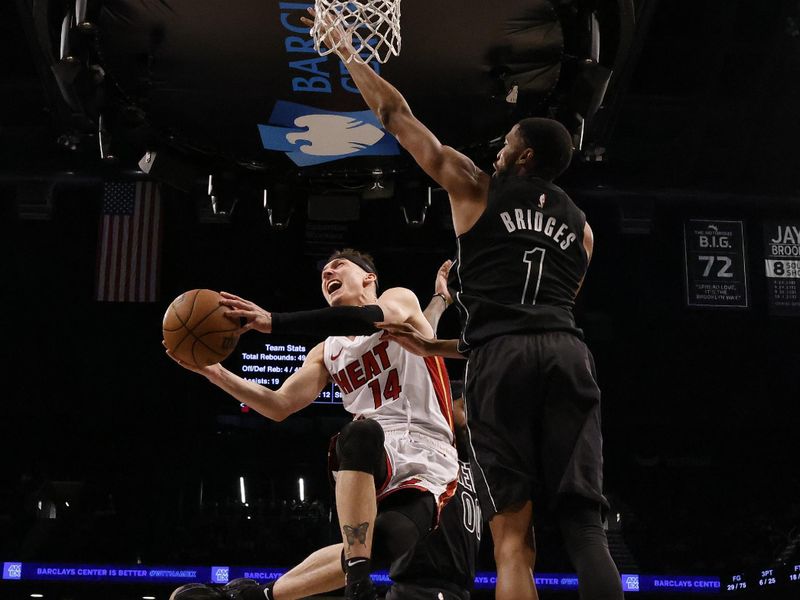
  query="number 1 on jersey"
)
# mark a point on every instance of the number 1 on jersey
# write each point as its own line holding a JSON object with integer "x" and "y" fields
{"x": 534, "y": 274}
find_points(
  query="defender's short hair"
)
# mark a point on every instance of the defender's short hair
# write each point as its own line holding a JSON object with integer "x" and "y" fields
{"x": 551, "y": 143}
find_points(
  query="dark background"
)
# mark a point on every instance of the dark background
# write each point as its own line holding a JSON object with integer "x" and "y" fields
{"x": 700, "y": 406}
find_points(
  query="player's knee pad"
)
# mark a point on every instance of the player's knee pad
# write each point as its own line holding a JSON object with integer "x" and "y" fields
{"x": 360, "y": 447}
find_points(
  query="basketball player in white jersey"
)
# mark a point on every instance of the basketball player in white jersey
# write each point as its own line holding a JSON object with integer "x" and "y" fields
{"x": 396, "y": 459}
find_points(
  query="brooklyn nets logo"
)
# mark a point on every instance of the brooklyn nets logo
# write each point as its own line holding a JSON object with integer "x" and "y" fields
{"x": 311, "y": 136}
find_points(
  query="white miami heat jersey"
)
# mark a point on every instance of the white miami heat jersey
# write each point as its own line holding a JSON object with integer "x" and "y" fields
{"x": 382, "y": 381}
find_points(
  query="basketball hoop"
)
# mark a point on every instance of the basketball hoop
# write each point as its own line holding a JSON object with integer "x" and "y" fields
{"x": 371, "y": 26}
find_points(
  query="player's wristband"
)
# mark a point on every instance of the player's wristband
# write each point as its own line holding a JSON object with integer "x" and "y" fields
{"x": 443, "y": 297}
{"x": 335, "y": 320}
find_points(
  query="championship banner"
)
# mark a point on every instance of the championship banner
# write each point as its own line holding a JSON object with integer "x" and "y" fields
{"x": 716, "y": 271}
{"x": 782, "y": 264}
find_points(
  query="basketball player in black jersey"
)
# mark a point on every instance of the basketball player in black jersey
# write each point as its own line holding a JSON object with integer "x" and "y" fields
{"x": 532, "y": 401}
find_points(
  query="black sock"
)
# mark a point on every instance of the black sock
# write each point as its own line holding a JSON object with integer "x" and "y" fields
{"x": 357, "y": 568}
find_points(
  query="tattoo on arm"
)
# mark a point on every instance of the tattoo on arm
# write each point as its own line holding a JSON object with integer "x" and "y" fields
{"x": 355, "y": 534}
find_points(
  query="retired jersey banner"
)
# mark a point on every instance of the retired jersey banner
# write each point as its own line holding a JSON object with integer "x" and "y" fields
{"x": 782, "y": 264}
{"x": 716, "y": 271}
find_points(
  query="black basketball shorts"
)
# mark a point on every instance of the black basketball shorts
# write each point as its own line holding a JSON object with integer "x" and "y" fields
{"x": 533, "y": 408}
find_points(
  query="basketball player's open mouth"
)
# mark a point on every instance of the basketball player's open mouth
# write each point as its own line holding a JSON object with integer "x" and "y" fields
{"x": 333, "y": 285}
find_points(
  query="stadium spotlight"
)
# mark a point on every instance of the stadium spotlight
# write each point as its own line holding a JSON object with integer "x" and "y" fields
{"x": 415, "y": 200}
{"x": 83, "y": 24}
{"x": 223, "y": 194}
{"x": 104, "y": 141}
{"x": 278, "y": 206}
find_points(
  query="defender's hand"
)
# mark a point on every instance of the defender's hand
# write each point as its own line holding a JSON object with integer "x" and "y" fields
{"x": 334, "y": 34}
{"x": 407, "y": 336}
{"x": 440, "y": 287}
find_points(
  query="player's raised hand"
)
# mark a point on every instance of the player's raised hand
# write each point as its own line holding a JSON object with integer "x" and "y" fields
{"x": 440, "y": 287}
{"x": 255, "y": 317}
{"x": 334, "y": 33}
{"x": 407, "y": 336}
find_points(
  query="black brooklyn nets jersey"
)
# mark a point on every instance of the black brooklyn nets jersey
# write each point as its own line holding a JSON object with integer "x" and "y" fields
{"x": 519, "y": 267}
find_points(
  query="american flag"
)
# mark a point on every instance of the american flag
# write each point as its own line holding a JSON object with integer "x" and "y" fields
{"x": 129, "y": 244}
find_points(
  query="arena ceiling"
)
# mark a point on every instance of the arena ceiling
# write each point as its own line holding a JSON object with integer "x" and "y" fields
{"x": 703, "y": 93}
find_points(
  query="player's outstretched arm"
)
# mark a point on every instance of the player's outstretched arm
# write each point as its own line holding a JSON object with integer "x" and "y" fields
{"x": 466, "y": 184}
{"x": 416, "y": 342}
{"x": 396, "y": 305}
{"x": 336, "y": 320}
{"x": 298, "y": 391}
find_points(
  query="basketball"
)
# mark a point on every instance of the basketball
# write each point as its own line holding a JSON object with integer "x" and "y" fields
{"x": 196, "y": 329}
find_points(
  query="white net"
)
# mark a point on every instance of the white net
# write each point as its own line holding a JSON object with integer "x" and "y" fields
{"x": 371, "y": 26}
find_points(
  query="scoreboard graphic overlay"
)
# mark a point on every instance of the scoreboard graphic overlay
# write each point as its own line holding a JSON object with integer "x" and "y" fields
{"x": 270, "y": 360}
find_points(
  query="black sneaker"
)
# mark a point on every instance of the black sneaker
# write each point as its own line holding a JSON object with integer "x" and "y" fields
{"x": 362, "y": 589}
{"x": 196, "y": 591}
{"x": 233, "y": 589}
